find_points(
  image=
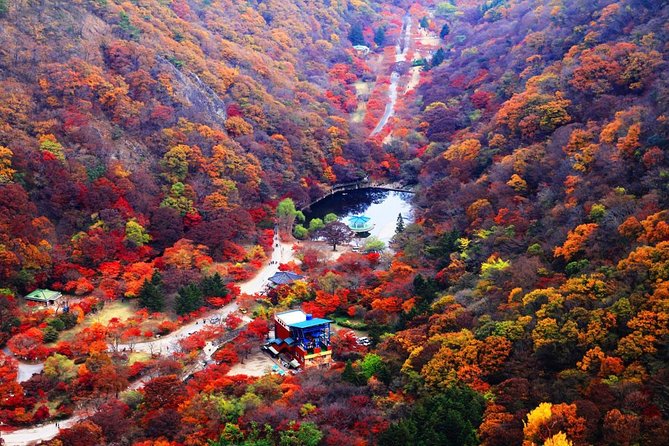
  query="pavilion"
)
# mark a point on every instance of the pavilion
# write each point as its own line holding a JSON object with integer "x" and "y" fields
{"x": 360, "y": 223}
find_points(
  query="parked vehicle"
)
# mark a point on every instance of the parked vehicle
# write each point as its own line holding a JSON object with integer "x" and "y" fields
{"x": 364, "y": 341}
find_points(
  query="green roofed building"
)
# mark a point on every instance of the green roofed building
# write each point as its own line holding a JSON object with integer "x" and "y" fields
{"x": 45, "y": 296}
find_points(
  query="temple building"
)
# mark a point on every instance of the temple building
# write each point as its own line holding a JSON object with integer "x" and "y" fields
{"x": 301, "y": 337}
{"x": 284, "y": 278}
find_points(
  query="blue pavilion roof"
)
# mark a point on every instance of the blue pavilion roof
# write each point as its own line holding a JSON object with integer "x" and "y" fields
{"x": 359, "y": 218}
{"x": 359, "y": 223}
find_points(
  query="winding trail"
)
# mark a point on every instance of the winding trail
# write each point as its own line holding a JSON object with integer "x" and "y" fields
{"x": 168, "y": 343}
{"x": 282, "y": 253}
{"x": 401, "y": 50}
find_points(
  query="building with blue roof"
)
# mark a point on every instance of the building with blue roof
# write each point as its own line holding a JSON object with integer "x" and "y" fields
{"x": 303, "y": 338}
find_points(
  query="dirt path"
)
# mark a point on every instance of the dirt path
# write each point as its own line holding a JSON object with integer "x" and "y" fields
{"x": 424, "y": 43}
{"x": 169, "y": 343}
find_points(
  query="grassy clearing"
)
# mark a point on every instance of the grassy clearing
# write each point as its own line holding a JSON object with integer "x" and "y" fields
{"x": 138, "y": 357}
{"x": 361, "y": 89}
{"x": 111, "y": 310}
{"x": 347, "y": 322}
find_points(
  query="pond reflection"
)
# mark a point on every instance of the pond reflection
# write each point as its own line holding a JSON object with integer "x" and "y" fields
{"x": 381, "y": 206}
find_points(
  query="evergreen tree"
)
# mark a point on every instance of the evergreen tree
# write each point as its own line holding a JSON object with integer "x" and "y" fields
{"x": 448, "y": 419}
{"x": 425, "y": 288}
{"x": 424, "y": 22}
{"x": 355, "y": 35}
{"x": 213, "y": 286}
{"x": 444, "y": 31}
{"x": 189, "y": 299}
{"x": 380, "y": 35}
{"x": 399, "y": 228}
{"x": 438, "y": 57}
{"x": 151, "y": 295}
{"x": 350, "y": 375}
{"x": 4, "y": 7}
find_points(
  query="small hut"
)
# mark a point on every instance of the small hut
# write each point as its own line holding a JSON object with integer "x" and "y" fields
{"x": 47, "y": 297}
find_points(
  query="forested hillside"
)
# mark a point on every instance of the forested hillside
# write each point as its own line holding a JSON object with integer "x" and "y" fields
{"x": 145, "y": 147}
{"x": 184, "y": 117}
{"x": 544, "y": 214}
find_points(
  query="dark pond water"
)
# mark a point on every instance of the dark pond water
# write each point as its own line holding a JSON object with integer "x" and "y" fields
{"x": 381, "y": 206}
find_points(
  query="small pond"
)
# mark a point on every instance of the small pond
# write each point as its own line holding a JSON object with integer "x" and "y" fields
{"x": 380, "y": 205}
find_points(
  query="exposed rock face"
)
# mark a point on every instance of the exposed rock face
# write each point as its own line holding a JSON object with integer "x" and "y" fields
{"x": 202, "y": 103}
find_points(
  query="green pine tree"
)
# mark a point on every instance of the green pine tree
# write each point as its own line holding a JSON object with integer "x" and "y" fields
{"x": 399, "y": 228}
{"x": 4, "y": 7}
{"x": 151, "y": 295}
{"x": 380, "y": 35}
{"x": 349, "y": 374}
{"x": 213, "y": 286}
{"x": 449, "y": 418}
{"x": 438, "y": 57}
{"x": 189, "y": 299}
{"x": 355, "y": 35}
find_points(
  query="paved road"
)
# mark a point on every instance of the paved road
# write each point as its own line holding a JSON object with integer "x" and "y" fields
{"x": 170, "y": 343}
{"x": 25, "y": 369}
{"x": 282, "y": 254}
{"x": 45, "y": 432}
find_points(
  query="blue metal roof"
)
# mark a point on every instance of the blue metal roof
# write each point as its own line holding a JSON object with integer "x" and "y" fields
{"x": 362, "y": 219}
{"x": 285, "y": 277}
{"x": 360, "y": 223}
{"x": 310, "y": 323}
